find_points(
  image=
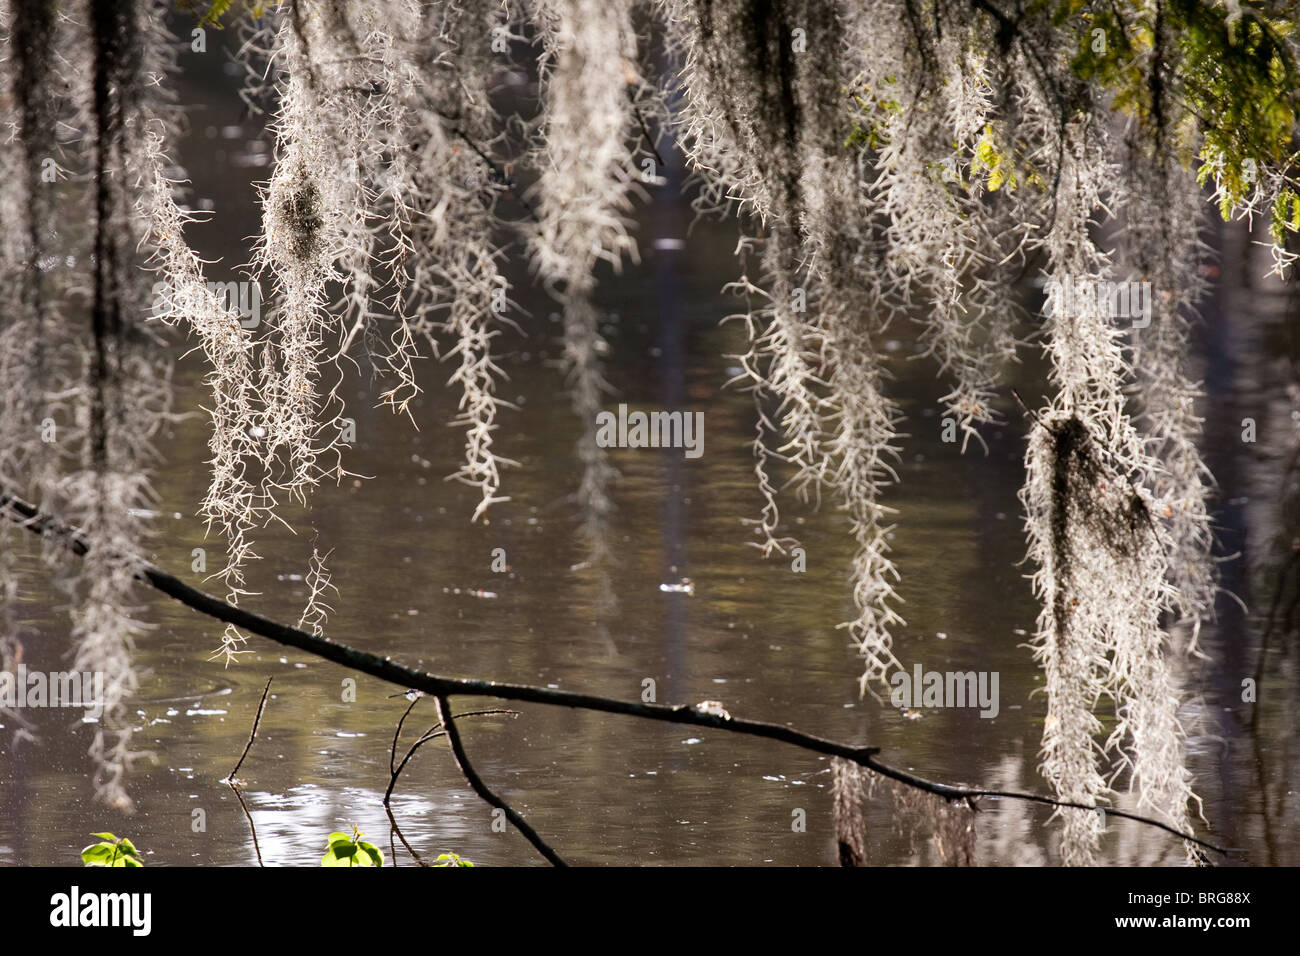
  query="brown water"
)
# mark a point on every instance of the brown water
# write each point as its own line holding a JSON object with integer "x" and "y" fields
{"x": 754, "y": 635}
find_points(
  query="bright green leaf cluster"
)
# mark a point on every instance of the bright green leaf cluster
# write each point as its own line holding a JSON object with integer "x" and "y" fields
{"x": 347, "y": 850}
{"x": 111, "y": 851}
{"x": 451, "y": 859}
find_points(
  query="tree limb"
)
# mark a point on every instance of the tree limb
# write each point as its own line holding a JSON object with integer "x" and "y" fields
{"x": 479, "y": 787}
{"x": 385, "y": 668}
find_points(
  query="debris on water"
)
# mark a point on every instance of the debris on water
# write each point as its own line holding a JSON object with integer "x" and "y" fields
{"x": 684, "y": 586}
{"x": 580, "y": 566}
{"x": 712, "y": 708}
{"x": 472, "y": 592}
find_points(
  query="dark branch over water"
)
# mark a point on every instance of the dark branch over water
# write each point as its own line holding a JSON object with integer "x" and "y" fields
{"x": 23, "y": 513}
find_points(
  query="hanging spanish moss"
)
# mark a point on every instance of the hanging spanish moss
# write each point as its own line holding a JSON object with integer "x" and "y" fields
{"x": 25, "y": 362}
{"x": 890, "y": 164}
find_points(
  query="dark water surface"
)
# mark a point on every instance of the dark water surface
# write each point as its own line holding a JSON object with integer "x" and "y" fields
{"x": 754, "y": 635}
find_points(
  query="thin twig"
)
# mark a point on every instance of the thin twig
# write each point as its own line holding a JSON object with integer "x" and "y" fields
{"x": 645, "y": 130}
{"x": 392, "y": 757}
{"x": 395, "y": 769}
{"x": 394, "y": 828}
{"x": 479, "y": 787}
{"x": 431, "y": 734}
{"x": 1027, "y": 410}
{"x": 256, "y": 720}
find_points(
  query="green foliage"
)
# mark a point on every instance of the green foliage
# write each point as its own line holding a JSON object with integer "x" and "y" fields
{"x": 111, "y": 851}
{"x": 1000, "y": 169}
{"x": 1286, "y": 214}
{"x": 1220, "y": 89}
{"x": 347, "y": 850}
{"x": 451, "y": 859}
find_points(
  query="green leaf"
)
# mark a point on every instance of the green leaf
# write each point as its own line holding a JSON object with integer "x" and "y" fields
{"x": 375, "y": 854}
{"x": 334, "y": 858}
{"x": 97, "y": 854}
{"x": 110, "y": 837}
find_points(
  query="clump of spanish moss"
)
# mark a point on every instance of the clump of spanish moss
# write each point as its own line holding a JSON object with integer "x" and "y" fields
{"x": 1102, "y": 582}
{"x": 299, "y": 210}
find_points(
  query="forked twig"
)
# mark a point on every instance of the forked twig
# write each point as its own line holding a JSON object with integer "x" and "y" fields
{"x": 434, "y": 732}
{"x": 393, "y": 828}
{"x": 479, "y": 787}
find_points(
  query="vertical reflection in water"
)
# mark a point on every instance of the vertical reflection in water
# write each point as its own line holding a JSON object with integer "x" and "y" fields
{"x": 584, "y": 350}
{"x": 670, "y": 322}
{"x": 1221, "y": 345}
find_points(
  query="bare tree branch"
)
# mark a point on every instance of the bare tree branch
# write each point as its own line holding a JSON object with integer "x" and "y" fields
{"x": 385, "y": 668}
{"x": 479, "y": 787}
